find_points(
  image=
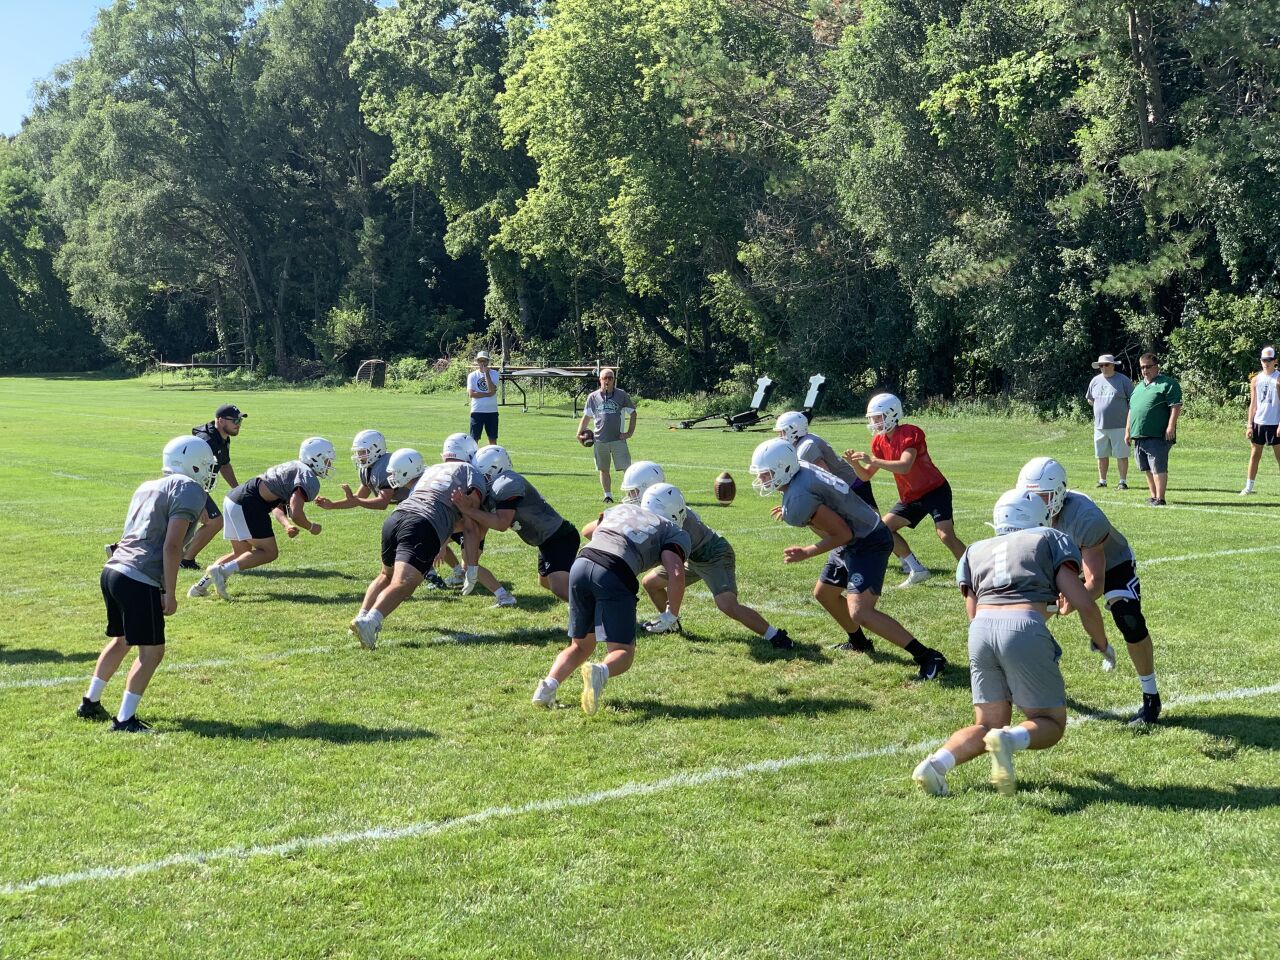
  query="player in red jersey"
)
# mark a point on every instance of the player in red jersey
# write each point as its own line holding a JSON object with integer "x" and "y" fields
{"x": 923, "y": 491}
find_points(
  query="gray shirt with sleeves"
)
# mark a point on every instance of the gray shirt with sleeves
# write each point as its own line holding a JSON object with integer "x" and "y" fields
{"x": 638, "y": 536}
{"x": 814, "y": 487}
{"x": 813, "y": 448}
{"x": 606, "y": 410}
{"x": 284, "y": 478}
{"x": 704, "y": 543}
{"x": 536, "y": 521}
{"x": 1084, "y": 522}
{"x": 1110, "y": 398}
{"x": 433, "y": 493}
{"x": 1020, "y": 567}
{"x": 140, "y": 553}
{"x": 375, "y": 477}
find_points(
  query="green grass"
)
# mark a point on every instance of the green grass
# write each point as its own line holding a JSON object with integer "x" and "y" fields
{"x": 277, "y": 727}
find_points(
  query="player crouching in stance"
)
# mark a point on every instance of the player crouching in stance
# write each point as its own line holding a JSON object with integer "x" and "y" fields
{"x": 280, "y": 492}
{"x": 1013, "y": 659}
{"x": 1110, "y": 570}
{"x": 369, "y": 454}
{"x": 859, "y": 544}
{"x": 140, "y": 580}
{"x": 515, "y": 504}
{"x": 602, "y": 592}
{"x": 412, "y": 535}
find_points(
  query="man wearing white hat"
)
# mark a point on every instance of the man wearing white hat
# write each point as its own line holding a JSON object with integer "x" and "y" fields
{"x": 482, "y": 388}
{"x": 1109, "y": 394}
{"x": 1264, "y": 415}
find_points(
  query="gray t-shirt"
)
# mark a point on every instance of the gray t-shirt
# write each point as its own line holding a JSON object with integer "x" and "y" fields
{"x": 704, "y": 543}
{"x": 375, "y": 477}
{"x": 1020, "y": 567}
{"x": 140, "y": 553}
{"x": 284, "y": 478}
{"x": 536, "y": 521}
{"x": 606, "y": 410}
{"x": 1110, "y": 398}
{"x": 432, "y": 495}
{"x": 1084, "y": 522}
{"x": 638, "y": 536}
{"x": 813, "y": 488}
{"x": 813, "y": 448}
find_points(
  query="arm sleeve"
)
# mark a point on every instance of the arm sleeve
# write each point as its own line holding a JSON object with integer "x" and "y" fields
{"x": 964, "y": 576}
{"x": 676, "y": 539}
{"x": 188, "y": 504}
{"x": 1175, "y": 392}
{"x": 912, "y": 437}
{"x": 1063, "y": 551}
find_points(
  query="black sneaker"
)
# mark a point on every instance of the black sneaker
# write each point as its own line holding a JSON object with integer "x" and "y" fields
{"x": 1122, "y": 485}
{"x": 185, "y": 564}
{"x": 1149, "y": 711}
{"x": 1101, "y": 484}
{"x": 781, "y": 641}
{"x": 608, "y": 499}
{"x": 1158, "y": 502}
{"x": 132, "y": 725}
{"x": 931, "y": 667}
{"x": 91, "y": 710}
{"x": 856, "y": 646}
{"x": 435, "y": 581}
{"x": 1151, "y": 501}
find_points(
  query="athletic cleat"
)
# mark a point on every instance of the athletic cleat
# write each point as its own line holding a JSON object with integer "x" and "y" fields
{"x": 132, "y": 725}
{"x": 91, "y": 710}
{"x": 932, "y": 666}
{"x": 1149, "y": 712}
{"x": 1248, "y": 492}
{"x": 545, "y": 695}
{"x": 1101, "y": 484}
{"x": 366, "y": 631}
{"x": 1122, "y": 485}
{"x": 1158, "y": 502}
{"x": 508, "y": 601}
{"x": 914, "y": 577}
{"x": 781, "y": 641}
{"x": 1000, "y": 746}
{"x": 454, "y": 579}
{"x": 608, "y": 498}
{"x": 434, "y": 581}
{"x": 185, "y": 564}
{"x": 594, "y": 677}
{"x": 856, "y": 646}
{"x": 199, "y": 589}
{"x": 930, "y": 779}
{"x": 219, "y": 581}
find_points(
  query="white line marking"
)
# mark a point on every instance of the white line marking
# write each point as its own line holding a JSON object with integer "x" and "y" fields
{"x": 1208, "y": 556}
{"x": 68, "y": 476}
{"x": 386, "y": 834}
{"x": 1136, "y": 504}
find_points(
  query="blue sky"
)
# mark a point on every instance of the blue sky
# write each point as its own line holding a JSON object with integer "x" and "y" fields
{"x": 35, "y": 36}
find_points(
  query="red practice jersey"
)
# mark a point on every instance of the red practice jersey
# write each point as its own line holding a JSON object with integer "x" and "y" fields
{"x": 923, "y": 475}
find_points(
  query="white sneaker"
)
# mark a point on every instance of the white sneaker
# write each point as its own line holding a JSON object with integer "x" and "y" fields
{"x": 455, "y": 579}
{"x": 594, "y": 677}
{"x": 199, "y": 589}
{"x": 545, "y": 695}
{"x": 930, "y": 779}
{"x": 1000, "y": 746}
{"x": 366, "y": 631}
{"x": 219, "y": 581}
{"x": 1248, "y": 492}
{"x": 914, "y": 577}
{"x": 508, "y": 601}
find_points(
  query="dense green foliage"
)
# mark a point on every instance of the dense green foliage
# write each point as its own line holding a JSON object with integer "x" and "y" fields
{"x": 944, "y": 197}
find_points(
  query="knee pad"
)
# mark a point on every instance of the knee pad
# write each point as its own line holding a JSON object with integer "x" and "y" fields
{"x": 1129, "y": 619}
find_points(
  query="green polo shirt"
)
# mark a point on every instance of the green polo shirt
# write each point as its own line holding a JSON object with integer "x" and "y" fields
{"x": 1150, "y": 404}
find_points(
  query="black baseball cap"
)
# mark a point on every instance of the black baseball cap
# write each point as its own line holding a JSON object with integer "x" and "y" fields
{"x": 230, "y": 411}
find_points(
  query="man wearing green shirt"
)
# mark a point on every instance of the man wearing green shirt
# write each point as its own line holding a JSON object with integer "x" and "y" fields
{"x": 1152, "y": 427}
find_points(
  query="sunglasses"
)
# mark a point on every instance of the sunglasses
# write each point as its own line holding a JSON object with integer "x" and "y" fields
{"x": 1146, "y": 366}
{"x": 231, "y": 419}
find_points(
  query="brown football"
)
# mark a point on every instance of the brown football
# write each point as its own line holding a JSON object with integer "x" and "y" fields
{"x": 587, "y": 438}
{"x": 725, "y": 489}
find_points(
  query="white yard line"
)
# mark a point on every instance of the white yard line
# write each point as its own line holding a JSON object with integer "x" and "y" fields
{"x": 1133, "y": 501}
{"x": 375, "y": 836}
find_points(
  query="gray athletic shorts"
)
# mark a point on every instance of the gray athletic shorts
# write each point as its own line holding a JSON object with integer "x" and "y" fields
{"x": 603, "y": 449}
{"x": 1013, "y": 656}
{"x": 718, "y": 570}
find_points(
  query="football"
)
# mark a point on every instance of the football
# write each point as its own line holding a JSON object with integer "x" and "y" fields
{"x": 725, "y": 489}
{"x": 587, "y": 438}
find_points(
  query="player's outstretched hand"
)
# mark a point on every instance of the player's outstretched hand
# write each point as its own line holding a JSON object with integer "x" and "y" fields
{"x": 794, "y": 554}
{"x": 324, "y": 503}
{"x": 346, "y": 490}
{"x": 169, "y": 605}
{"x": 853, "y": 457}
{"x": 291, "y": 530}
{"x": 776, "y": 512}
{"x": 315, "y": 529}
{"x": 1064, "y": 606}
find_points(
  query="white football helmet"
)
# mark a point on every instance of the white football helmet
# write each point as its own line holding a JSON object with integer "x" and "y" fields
{"x": 404, "y": 467}
{"x": 367, "y": 447}
{"x": 190, "y": 457}
{"x": 774, "y": 464}
{"x": 640, "y": 476}
{"x": 666, "y": 501}
{"x": 793, "y": 425}
{"x": 492, "y": 460}
{"x": 459, "y": 446}
{"x": 318, "y": 454}
{"x": 1018, "y": 510}
{"x": 1045, "y": 475}
{"x": 884, "y": 413}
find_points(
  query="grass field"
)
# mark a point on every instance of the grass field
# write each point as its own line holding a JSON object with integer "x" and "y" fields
{"x": 307, "y": 798}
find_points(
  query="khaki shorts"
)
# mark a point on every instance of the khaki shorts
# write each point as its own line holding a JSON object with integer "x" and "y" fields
{"x": 719, "y": 571}
{"x": 1110, "y": 443}
{"x": 618, "y": 448}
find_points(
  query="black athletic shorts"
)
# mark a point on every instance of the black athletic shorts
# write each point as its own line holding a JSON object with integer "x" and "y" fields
{"x": 256, "y": 511}
{"x": 936, "y": 503}
{"x": 1263, "y": 434}
{"x": 559, "y": 551}
{"x": 134, "y": 609}
{"x": 409, "y": 538}
{"x": 1121, "y": 583}
{"x": 457, "y": 537}
{"x": 867, "y": 494}
{"x": 210, "y": 508}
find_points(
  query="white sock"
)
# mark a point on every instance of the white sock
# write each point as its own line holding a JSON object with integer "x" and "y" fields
{"x": 458, "y": 570}
{"x": 552, "y": 682}
{"x": 608, "y": 492}
{"x": 502, "y": 593}
{"x": 1248, "y": 484}
{"x": 375, "y": 616}
{"x": 606, "y": 669}
{"x": 1148, "y": 683}
{"x": 1021, "y": 737}
{"x": 912, "y": 563}
{"x": 229, "y": 568}
{"x": 128, "y": 706}
{"x": 473, "y": 572}
{"x": 96, "y": 686}
{"x": 943, "y": 759}
{"x": 771, "y": 633}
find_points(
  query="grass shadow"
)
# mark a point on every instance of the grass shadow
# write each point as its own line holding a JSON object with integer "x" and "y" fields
{"x": 347, "y": 599}
{"x": 527, "y": 636}
{"x": 36, "y": 655}
{"x": 761, "y": 651}
{"x": 1106, "y": 789}
{"x": 1242, "y": 729}
{"x": 1244, "y": 503}
{"x": 308, "y": 574}
{"x": 329, "y": 731}
{"x": 740, "y": 706}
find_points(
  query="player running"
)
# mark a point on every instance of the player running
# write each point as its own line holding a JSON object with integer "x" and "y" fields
{"x": 1110, "y": 569}
{"x": 793, "y": 427}
{"x": 602, "y": 593}
{"x": 859, "y": 545}
{"x": 923, "y": 491}
{"x": 140, "y": 580}
{"x": 282, "y": 492}
{"x": 1007, "y": 582}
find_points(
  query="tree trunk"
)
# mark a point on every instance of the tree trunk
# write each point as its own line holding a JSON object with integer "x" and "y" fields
{"x": 1153, "y": 120}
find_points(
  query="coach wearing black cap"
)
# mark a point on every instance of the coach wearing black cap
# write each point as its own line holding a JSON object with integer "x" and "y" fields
{"x": 217, "y": 433}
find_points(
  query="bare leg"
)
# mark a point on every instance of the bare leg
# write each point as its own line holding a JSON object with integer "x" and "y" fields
{"x": 655, "y": 585}
{"x": 831, "y": 600}
{"x": 1255, "y": 459}
{"x": 606, "y": 480}
{"x": 619, "y": 657}
{"x": 1143, "y": 656}
{"x": 1151, "y": 483}
{"x": 253, "y": 553}
{"x": 572, "y": 657}
{"x": 1123, "y": 464}
{"x": 404, "y": 581}
{"x": 140, "y": 673}
{"x": 376, "y": 587}
{"x": 208, "y": 530}
{"x": 557, "y": 583}
{"x": 1161, "y": 483}
{"x": 1103, "y": 464}
{"x": 727, "y": 603}
{"x": 947, "y": 534}
{"x": 863, "y": 613}
{"x": 966, "y": 743}
{"x": 110, "y": 658}
{"x": 896, "y": 523}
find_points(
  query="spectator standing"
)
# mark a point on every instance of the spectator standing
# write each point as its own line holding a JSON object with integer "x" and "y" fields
{"x": 607, "y": 408}
{"x": 1109, "y": 394}
{"x": 1152, "y": 427}
{"x": 1264, "y": 415}
{"x": 482, "y": 388}
{"x": 217, "y": 433}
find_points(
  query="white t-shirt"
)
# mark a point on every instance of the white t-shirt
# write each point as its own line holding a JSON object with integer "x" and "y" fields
{"x": 483, "y": 381}
{"x": 1266, "y": 393}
